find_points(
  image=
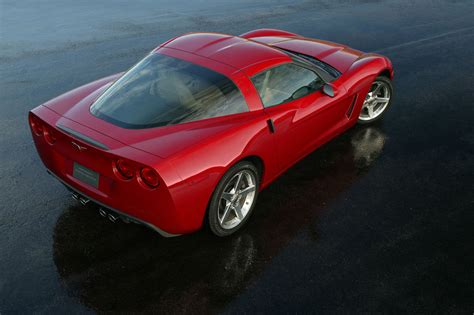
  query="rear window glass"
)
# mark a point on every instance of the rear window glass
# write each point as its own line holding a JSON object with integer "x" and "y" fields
{"x": 162, "y": 90}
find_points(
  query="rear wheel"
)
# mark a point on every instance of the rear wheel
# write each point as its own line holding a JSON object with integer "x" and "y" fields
{"x": 377, "y": 100}
{"x": 233, "y": 199}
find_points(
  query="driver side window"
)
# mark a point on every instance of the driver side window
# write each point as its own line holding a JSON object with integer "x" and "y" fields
{"x": 285, "y": 83}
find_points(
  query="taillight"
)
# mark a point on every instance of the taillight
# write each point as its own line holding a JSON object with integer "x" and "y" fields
{"x": 124, "y": 169}
{"x": 150, "y": 177}
{"x": 49, "y": 135}
{"x": 36, "y": 125}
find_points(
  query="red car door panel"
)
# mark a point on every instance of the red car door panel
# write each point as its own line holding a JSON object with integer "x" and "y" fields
{"x": 303, "y": 124}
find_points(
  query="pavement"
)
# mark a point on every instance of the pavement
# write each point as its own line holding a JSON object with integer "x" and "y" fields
{"x": 379, "y": 220}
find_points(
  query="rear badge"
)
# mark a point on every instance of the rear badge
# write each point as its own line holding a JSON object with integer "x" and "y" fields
{"x": 78, "y": 146}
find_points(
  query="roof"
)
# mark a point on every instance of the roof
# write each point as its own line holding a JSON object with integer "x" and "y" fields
{"x": 237, "y": 52}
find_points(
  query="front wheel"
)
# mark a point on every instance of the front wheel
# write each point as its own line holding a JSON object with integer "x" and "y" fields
{"x": 233, "y": 199}
{"x": 377, "y": 100}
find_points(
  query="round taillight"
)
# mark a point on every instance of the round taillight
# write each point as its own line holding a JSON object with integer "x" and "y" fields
{"x": 36, "y": 125}
{"x": 150, "y": 177}
{"x": 49, "y": 135}
{"x": 124, "y": 169}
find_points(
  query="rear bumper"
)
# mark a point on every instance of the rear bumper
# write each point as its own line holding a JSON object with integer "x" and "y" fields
{"x": 118, "y": 212}
{"x": 175, "y": 207}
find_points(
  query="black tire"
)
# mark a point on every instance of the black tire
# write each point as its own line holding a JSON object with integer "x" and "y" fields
{"x": 390, "y": 87}
{"x": 213, "y": 216}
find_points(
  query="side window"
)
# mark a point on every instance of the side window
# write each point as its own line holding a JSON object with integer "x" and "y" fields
{"x": 285, "y": 83}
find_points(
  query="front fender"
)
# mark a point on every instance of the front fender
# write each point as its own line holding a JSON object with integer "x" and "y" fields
{"x": 359, "y": 77}
{"x": 364, "y": 70}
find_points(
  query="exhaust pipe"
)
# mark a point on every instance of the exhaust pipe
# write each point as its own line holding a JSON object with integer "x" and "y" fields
{"x": 83, "y": 201}
{"x": 102, "y": 213}
{"x": 109, "y": 215}
{"x": 112, "y": 217}
{"x": 79, "y": 198}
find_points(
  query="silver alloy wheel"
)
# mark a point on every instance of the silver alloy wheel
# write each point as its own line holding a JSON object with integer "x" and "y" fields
{"x": 236, "y": 199}
{"x": 376, "y": 101}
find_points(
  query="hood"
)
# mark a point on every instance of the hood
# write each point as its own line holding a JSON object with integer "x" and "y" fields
{"x": 336, "y": 55}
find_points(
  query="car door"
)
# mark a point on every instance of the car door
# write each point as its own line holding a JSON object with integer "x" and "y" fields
{"x": 300, "y": 114}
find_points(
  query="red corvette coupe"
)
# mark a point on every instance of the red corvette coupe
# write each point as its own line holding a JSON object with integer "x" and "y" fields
{"x": 204, "y": 122}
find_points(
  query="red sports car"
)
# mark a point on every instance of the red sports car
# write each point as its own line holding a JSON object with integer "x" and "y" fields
{"x": 198, "y": 127}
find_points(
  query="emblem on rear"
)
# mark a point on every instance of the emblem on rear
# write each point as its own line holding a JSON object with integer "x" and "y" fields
{"x": 78, "y": 146}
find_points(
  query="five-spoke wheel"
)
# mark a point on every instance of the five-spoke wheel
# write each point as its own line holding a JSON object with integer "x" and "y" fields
{"x": 236, "y": 199}
{"x": 233, "y": 199}
{"x": 377, "y": 100}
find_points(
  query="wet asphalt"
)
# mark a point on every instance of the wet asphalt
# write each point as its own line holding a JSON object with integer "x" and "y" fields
{"x": 378, "y": 220}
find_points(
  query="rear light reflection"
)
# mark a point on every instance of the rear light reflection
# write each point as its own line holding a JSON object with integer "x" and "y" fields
{"x": 150, "y": 177}
{"x": 41, "y": 129}
{"x": 36, "y": 125}
{"x": 124, "y": 169}
{"x": 49, "y": 135}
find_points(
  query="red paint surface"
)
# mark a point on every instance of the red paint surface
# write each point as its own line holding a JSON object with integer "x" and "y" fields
{"x": 190, "y": 158}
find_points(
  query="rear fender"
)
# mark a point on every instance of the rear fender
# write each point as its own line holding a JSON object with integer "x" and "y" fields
{"x": 201, "y": 167}
{"x": 66, "y": 101}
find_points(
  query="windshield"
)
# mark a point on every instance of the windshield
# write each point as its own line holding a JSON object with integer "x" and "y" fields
{"x": 162, "y": 90}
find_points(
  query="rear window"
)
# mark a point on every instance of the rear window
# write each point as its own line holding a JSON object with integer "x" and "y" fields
{"x": 162, "y": 90}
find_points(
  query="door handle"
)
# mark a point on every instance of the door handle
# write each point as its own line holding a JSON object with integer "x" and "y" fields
{"x": 271, "y": 126}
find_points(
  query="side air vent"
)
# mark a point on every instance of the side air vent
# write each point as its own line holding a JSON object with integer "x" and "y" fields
{"x": 351, "y": 108}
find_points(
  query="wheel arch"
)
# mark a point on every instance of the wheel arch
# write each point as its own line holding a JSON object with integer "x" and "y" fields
{"x": 255, "y": 160}
{"x": 385, "y": 73}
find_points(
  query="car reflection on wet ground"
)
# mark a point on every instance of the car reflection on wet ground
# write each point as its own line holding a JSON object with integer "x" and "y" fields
{"x": 377, "y": 220}
{"x": 199, "y": 272}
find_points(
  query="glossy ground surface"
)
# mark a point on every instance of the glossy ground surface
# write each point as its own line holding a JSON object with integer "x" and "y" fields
{"x": 381, "y": 219}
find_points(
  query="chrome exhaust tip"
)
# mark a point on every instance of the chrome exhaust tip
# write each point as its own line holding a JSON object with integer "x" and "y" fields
{"x": 103, "y": 213}
{"x": 83, "y": 201}
{"x": 112, "y": 217}
{"x": 79, "y": 198}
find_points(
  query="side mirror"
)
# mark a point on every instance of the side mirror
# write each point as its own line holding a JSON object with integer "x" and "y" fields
{"x": 328, "y": 89}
